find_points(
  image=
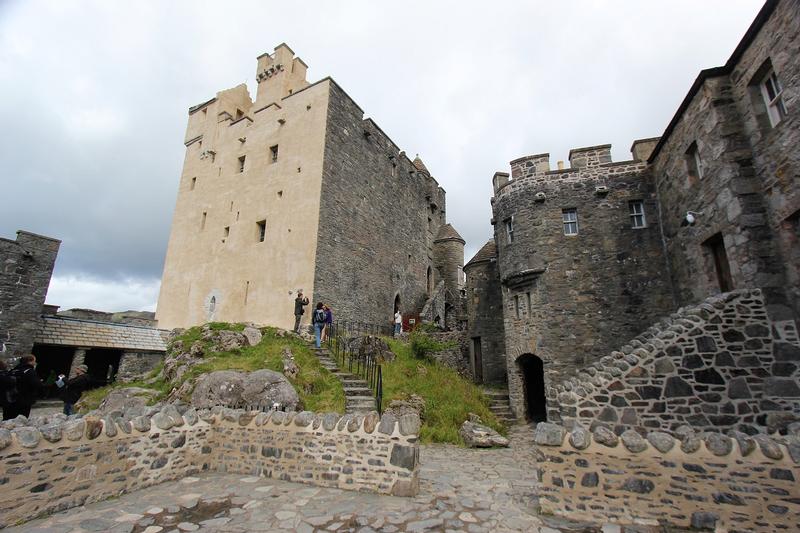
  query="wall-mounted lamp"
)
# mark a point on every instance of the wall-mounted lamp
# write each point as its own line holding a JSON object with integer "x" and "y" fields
{"x": 691, "y": 218}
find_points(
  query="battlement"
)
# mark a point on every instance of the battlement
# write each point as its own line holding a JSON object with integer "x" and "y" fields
{"x": 580, "y": 159}
{"x": 279, "y": 75}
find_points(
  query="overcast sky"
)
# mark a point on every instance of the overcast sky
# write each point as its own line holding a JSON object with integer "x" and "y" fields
{"x": 95, "y": 96}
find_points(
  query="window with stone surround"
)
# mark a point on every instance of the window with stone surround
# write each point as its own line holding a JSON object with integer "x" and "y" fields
{"x": 516, "y": 305}
{"x": 694, "y": 167}
{"x": 226, "y": 232}
{"x": 203, "y": 221}
{"x": 241, "y": 163}
{"x": 261, "y": 226}
{"x": 509, "y": 223}
{"x": 570, "y": 220}
{"x": 636, "y": 208}
{"x": 192, "y": 185}
{"x": 766, "y": 96}
{"x": 273, "y": 154}
{"x": 772, "y": 92}
{"x": 528, "y": 295}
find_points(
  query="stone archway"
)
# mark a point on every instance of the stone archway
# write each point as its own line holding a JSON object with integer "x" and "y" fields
{"x": 531, "y": 369}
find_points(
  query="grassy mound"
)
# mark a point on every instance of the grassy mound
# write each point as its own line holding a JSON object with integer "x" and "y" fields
{"x": 318, "y": 389}
{"x": 448, "y": 396}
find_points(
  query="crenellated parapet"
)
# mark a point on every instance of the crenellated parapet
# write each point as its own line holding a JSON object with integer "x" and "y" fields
{"x": 64, "y": 463}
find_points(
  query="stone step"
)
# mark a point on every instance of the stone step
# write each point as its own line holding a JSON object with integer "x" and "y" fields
{"x": 360, "y": 391}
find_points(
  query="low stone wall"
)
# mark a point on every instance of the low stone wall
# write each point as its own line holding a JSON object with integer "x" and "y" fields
{"x": 61, "y": 465}
{"x": 720, "y": 365}
{"x": 706, "y": 481}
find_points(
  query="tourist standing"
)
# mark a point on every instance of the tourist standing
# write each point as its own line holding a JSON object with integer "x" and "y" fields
{"x": 318, "y": 321}
{"x": 72, "y": 389}
{"x": 26, "y": 388}
{"x": 299, "y": 303}
{"x": 328, "y": 322}
{"x": 398, "y": 323}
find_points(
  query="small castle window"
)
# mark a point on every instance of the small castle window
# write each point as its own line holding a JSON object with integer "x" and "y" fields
{"x": 262, "y": 230}
{"x": 226, "y": 231}
{"x": 693, "y": 164}
{"x": 241, "y": 163}
{"x": 570, "y": 219}
{"x": 203, "y": 221}
{"x": 509, "y": 222}
{"x": 239, "y": 114}
{"x": 772, "y": 92}
{"x": 636, "y": 208}
{"x": 192, "y": 185}
{"x": 516, "y": 305}
{"x": 212, "y": 304}
{"x": 528, "y": 295}
{"x": 273, "y": 153}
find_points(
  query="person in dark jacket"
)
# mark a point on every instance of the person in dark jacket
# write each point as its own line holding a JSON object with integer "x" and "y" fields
{"x": 299, "y": 304}
{"x": 28, "y": 388}
{"x": 72, "y": 389}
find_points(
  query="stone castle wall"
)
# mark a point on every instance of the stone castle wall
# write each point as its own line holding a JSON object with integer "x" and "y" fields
{"x": 569, "y": 299}
{"x": 26, "y": 266}
{"x": 721, "y": 365}
{"x": 750, "y": 175}
{"x": 708, "y": 482}
{"x": 59, "y": 466}
{"x": 372, "y": 243}
{"x": 485, "y": 319}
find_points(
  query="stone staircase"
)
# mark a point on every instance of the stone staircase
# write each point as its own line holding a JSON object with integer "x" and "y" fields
{"x": 500, "y": 406}
{"x": 359, "y": 398}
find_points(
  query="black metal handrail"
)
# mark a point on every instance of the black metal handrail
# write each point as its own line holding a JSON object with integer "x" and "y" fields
{"x": 365, "y": 365}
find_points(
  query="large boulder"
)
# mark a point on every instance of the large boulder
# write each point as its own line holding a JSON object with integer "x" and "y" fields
{"x": 243, "y": 389}
{"x": 477, "y": 435}
{"x": 126, "y": 398}
{"x": 413, "y": 404}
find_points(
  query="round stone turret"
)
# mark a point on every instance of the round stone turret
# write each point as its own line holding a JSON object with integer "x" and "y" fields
{"x": 448, "y": 257}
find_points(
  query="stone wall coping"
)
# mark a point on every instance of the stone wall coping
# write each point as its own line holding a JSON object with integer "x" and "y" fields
{"x": 41, "y": 432}
{"x": 770, "y": 448}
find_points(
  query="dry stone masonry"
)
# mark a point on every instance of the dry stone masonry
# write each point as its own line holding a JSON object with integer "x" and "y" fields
{"x": 721, "y": 365}
{"x": 66, "y": 463}
{"x": 705, "y": 481}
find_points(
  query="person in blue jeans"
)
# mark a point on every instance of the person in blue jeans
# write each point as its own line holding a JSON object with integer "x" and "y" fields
{"x": 318, "y": 321}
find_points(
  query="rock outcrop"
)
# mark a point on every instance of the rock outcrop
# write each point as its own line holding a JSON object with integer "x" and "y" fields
{"x": 262, "y": 388}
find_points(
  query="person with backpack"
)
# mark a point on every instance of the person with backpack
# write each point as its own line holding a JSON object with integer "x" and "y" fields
{"x": 318, "y": 321}
{"x": 328, "y": 322}
{"x": 22, "y": 393}
{"x": 72, "y": 389}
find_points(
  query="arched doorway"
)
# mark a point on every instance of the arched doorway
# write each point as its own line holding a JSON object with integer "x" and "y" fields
{"x": 396, "y": 303}
{"x": 532, "y": 371}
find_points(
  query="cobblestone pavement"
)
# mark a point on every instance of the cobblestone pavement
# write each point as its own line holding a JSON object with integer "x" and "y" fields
{"x": 460, "y": 490}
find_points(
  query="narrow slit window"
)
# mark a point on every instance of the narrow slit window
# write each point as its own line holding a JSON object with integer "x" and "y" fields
{"x": 636, "y": 208}
{"x": 516, "y": 305}
{"x": 193, "y": 184}
{"x": 570, "y": 219}
{"x": 273, "y": 154}
{"x": 509, "y": 223}
{"x": 528, "y": 295}
{"x": 203, "y": 221}
{"x": 262, "y": 230}
{"x": 239, "y": 114}
{"x": 226, "y": 232}
{"x": 241, "y": 163}
{"x": 694, "y": 166}
{"x": 246, "y": 291}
